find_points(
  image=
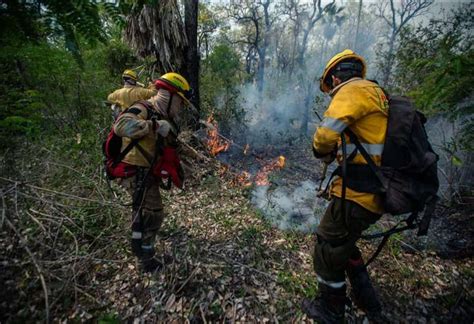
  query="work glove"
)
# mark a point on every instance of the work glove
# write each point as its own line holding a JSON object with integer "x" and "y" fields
{"x": 169, "y": 167}
{"x": 329, "y": 157}
{"x": 163, "y": 127}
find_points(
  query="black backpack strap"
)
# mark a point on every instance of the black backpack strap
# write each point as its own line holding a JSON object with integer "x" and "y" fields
{"x": 375, "y": 169}
{"x": 127, "y": 149}
{"x": 150, "y": 113}
{"x": 145, "y": 154}
{"x": 427, "y": 214}
{"x": 379, "y": 249}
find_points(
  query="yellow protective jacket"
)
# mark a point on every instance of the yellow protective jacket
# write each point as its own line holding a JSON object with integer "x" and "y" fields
{"x": 126, "y": 96}
{"x": 362, "y": 106}
{"x": 135, "y": 123}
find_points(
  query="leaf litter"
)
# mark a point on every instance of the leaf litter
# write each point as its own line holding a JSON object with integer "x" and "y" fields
{"x": 228, "y": 264}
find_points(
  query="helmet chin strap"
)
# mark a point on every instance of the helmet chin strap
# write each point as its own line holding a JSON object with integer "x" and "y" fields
{"x": 168, "y": 109}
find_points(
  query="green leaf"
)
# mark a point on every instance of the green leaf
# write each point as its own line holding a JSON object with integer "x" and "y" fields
{"x": 456, "y": 161}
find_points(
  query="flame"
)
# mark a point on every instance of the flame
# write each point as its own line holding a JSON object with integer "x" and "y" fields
{"x": 246, "y": 149}
{"x": 261, "y": 178}
{"x": 223, "y": 168}
{"x": 243, "y": 179}
{"x": 214, "y": 142}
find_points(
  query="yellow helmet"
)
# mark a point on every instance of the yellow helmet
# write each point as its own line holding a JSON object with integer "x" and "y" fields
{"x": 130, "y": 74}
{"x": 346, "y": 54}
{"x": 177, "y": 82}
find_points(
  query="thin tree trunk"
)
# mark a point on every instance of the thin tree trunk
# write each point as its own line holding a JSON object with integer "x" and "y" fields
{"x": 261, "y": 69}
{"x": 305, "y": 120}
{"x": 356, "y": 38}
{"x": 389, "y": 61}
{"x": 191, "y": 54}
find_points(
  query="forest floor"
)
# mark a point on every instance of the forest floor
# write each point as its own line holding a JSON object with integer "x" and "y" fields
{"x": 229, "y": 264}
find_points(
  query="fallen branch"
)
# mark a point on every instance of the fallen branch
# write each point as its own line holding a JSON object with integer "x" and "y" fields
{"x": 193, "y": 152}
{"x": 35, "y": 263}
{"x": 187, "y": 280}
{"x": 105, "y": 202}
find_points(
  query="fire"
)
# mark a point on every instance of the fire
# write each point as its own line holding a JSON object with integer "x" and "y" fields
{"x": 243, "y": 179}
{"x": 246, "y": 149}
{"x": 215, "y": 143}
{"x": 261, "y": 178}
{"x": 223, "y": 169}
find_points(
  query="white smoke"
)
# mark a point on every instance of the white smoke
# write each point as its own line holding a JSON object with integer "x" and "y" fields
{"x": 291, "y": 208}
{"x": 273, "y": 116}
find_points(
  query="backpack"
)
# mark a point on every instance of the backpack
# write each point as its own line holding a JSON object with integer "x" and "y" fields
{"x": 407, "y": 179}
{"x": 112, "y": 146}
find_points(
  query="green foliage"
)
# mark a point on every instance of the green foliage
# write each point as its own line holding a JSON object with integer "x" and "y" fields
{"x": 118, "y": 57}
{"x": 221, "y": 74}
{"x": 66, "y": 23}
{"x": 436, "y": 67}
{"x": 46, "y": 90}
{"x": 299, "y": 284}
{"x": 108, "y": 319}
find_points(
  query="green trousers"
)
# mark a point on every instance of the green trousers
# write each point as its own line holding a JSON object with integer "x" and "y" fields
{"x": 337, "y": 235}
{"x": 147, "y": 213}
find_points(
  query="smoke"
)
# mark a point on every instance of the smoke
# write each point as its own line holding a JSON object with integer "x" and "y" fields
{"x": 455, "y": 167}
{"x": 273, "y": 117}
{"x": 290, "y": 208}
{"x": 280, "y": 119}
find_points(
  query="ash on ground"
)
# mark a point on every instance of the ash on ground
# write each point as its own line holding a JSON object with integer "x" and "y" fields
{"x": 288, "y": 208}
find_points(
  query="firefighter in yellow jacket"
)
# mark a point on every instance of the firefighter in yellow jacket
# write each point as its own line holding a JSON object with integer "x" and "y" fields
{"x": 131, "y": 92}
{"x": 153, "y": 122}
{"x": 361, "y": 106}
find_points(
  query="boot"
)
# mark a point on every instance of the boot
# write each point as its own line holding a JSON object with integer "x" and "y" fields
{"x": 362, "y": 292}
{"x": 136, "y": 244}
{"x": 148, "y": 262}
{"x": 328, "y": 307}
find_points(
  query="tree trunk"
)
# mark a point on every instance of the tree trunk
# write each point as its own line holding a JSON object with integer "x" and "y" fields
{"x": 389, "y": 61}
{"x": 356, "y": 38}
{"x": 191, "y": 53}
{"x": 261, "y": 69}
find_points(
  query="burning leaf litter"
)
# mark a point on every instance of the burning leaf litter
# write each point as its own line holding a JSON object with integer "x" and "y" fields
{"x": 289, "y": 207}
{"x": 215, "y": 142}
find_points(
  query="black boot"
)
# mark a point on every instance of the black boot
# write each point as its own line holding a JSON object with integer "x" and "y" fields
{"x": 362, "y": 292}
{"x": 148, "y": 262}
{"x": 136, "y": 244}
{"x": 328, "y": 307}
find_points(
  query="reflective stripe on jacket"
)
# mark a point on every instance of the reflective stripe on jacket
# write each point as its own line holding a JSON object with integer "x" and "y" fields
{"x": 362, "y": 106}
{"x": 129, "y": 94}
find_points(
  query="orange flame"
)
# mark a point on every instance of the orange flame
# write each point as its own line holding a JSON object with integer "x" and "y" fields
{"x": 261, "y": 178}
{"x": 246, "y": 148}
{"x": 243, "y": 179}
{"x": 214, "y": 142}
{"x": 223, "y": 168}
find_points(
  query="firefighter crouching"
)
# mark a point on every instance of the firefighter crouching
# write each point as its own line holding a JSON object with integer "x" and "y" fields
{"x": 131, "y": 92}
{"x": 152, "y": 124}
{"x": 362, "y": 106}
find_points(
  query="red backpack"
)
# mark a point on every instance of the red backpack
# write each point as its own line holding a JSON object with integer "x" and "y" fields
{"x": 112, "y": 146}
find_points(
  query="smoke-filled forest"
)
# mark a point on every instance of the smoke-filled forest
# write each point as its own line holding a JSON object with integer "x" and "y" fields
{"x": 167, "y": 161}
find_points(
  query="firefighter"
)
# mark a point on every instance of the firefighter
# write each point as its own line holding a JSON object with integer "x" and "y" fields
{"x": 361, "y": 106}
{"x": 153, "y": 122}
{"x": 132, "y": 91}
